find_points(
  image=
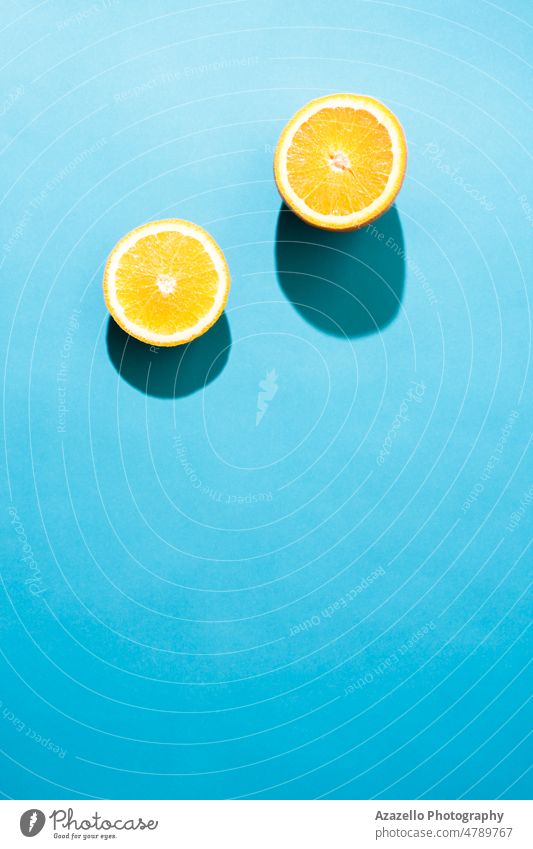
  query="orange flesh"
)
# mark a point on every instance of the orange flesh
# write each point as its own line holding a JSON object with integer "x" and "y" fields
{"x": 339, "y": 160}
{"x": 166, "y": 283}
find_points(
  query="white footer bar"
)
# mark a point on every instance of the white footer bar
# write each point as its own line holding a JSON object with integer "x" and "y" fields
{"x": 268, "y": 824}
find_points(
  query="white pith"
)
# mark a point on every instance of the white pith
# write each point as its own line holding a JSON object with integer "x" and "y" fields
{"x": 166, "y": 283}
{"x": 351, "y": 102}
{"x": 339, "y": 162}
{"x": 214, "y": 253}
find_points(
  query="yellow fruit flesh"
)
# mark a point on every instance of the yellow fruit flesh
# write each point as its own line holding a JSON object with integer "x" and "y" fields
{"x": 339, "y": 160}
{"x": 166, "y": 282}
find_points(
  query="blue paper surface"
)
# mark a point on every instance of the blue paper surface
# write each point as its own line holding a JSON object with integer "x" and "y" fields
{"x": 291, "y": 560}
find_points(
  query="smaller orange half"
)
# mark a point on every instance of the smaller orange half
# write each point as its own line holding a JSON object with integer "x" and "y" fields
{"x": 340, "y": 161}
{"x": 166, "y": 282}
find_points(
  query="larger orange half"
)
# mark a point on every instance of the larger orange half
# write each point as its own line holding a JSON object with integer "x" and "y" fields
{"x": 340, "y": 161}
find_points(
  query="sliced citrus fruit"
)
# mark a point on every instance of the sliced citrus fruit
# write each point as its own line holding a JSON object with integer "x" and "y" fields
{"x": 340, "y": 161}
{"x": 166, "y": 282}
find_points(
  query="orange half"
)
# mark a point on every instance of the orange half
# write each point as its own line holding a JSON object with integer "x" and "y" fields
{"x": 340, "y": 161}
{"x": 166, "y": 282}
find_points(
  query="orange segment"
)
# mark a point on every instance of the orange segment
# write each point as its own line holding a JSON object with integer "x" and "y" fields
{"x": 340, "y": 161}
{"x": 166, "y": 282}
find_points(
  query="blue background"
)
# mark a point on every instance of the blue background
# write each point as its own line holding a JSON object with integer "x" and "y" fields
{"x": 329, "y": 603}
